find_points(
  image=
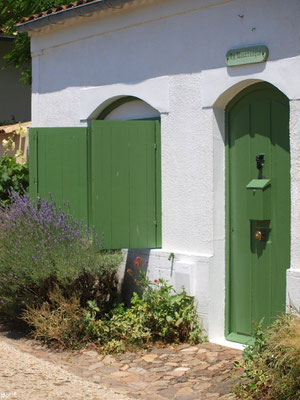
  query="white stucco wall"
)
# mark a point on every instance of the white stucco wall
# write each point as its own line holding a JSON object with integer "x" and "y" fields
{"x": 136, "y": 109}
{"x": 171, "y": 54}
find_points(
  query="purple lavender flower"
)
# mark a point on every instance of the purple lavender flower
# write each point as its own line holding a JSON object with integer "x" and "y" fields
{"x": 42, "y": 245}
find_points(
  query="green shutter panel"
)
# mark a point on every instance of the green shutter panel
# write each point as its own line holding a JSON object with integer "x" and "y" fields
{"x": 110, "y": 175}
{"x": 58, "y": 165}
{"x": 33, "y": 172}
{"x": 125, "y": 194}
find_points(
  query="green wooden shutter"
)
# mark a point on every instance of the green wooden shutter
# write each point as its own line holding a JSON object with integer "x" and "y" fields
{"x": 33, "y": 173}
{"x": 125, "y": 187}
{"x": 111, "y": 178}
{"x": 58, "y": 165}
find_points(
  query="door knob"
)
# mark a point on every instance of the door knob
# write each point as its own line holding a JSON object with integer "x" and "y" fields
{"x": 260, "y": 235}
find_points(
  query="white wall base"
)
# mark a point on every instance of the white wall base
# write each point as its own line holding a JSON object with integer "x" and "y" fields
{"x": 227, "y": 343}
{"x": 293, "y": 288}
{"x": 190, "y": 271}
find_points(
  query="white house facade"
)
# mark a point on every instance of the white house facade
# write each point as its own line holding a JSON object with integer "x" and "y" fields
{"x": 170, "y": 59}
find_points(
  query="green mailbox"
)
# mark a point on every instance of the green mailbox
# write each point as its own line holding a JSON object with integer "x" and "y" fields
{"x": 259, "y": 199}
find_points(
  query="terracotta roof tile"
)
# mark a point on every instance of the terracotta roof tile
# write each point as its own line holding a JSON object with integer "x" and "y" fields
{"x": 56, "y": 10}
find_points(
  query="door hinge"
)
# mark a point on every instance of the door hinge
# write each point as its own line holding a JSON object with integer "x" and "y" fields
{"x": 154, "y": 222}
{"x": 154, "y": 146}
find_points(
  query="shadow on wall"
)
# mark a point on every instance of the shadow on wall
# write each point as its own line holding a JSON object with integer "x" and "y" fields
{"x": 173, "y": 45}
{"x": 129, "y": 285}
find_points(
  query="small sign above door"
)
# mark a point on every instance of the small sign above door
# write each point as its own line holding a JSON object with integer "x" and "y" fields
{"x": 247, "y": 55}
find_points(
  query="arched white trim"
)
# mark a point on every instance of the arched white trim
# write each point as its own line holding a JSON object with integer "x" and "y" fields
{"x": 219, "y": 84}
{"x": 232, "y": 91}
{"x": 134, "y": 109}
{"x": 154, "y": 91}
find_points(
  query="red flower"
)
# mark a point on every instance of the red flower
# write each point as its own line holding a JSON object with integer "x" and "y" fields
{"x": 155, "y": 280}
{"x": 129, "y": 271}
{"x": 138, "y": 262}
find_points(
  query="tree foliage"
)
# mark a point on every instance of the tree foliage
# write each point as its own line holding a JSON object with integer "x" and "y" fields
{"x": 12, "y": 12}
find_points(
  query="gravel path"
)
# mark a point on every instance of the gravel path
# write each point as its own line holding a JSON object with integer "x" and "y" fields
{"x": 24, "y": 377}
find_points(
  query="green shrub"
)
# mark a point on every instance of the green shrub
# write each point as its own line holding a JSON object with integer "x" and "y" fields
{"x": 171, "y": 316}
{"x": 159, "y": 314}
{"x": 12, "y": 176}
{"x": 271, "y": 367}
{"x": 122, "y": 329}
{"x": 43, "y": 248}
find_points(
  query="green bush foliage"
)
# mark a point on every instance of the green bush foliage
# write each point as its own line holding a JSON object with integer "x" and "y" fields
{"x": 271, "y": 367}
{"x": 12, "y": 176}
{"x": 159, "y": 314}
{"x": 43, "y": 248}
{"x": 11, "y": 13}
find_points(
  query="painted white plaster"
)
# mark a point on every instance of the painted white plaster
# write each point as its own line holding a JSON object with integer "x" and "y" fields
{"x": 185, "y": 269}
{"x": 293, "y": 288}
{"x": 115, "y": 20}
{"x": 187, "y": 195}
{"x": 136, "y": 109}
{"x": 295, "y": 183}
{"x": 293, "y": 274}
{"x": 221, "y": 80}
{"x": 227, "y": 343}
{"x": 171, "y": 55}
{"x": 154, "y": 91}
{"x": 217, "y": 267}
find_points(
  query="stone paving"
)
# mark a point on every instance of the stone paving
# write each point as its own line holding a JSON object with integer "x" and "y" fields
{"x": 25, "y": 377}
{"x": 181, "y": 372}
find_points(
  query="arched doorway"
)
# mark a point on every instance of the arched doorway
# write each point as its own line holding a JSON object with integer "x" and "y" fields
{"x": 126, "y": 175}
{"x": 257, "y": 208}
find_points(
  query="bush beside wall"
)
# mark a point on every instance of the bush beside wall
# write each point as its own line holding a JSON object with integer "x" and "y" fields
{"x": 271, "y": 367}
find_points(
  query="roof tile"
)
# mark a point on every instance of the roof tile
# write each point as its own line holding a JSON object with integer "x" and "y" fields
{"x": 55, "y": 10}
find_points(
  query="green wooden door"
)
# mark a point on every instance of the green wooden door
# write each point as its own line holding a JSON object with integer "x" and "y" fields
{"x": 257, "y": 126}
{"x": 125, "y": 183}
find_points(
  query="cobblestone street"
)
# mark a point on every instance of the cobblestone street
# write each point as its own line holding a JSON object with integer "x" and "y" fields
{"x": 32, "y": 371}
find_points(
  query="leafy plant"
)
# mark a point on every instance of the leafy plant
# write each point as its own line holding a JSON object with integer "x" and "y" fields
{"x": 12, "y": 11}
{"x": 171, "y": 316}
{"x": 41, "y": 248}
{"x": 12, "y": 176}
{"x": 122, "y": 329}
{"x": 271, "y": 367}
{"x": 159, "y": 314}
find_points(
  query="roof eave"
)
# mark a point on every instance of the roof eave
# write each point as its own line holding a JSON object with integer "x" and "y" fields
{"x": 6, "y": 38}
{"x": 69, "y": 13}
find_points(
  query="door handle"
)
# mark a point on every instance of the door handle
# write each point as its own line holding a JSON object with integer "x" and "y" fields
{"x": 259, "y": 235}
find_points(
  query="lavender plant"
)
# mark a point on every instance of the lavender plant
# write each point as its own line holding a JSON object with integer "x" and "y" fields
{"x": 43, "y": 248}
